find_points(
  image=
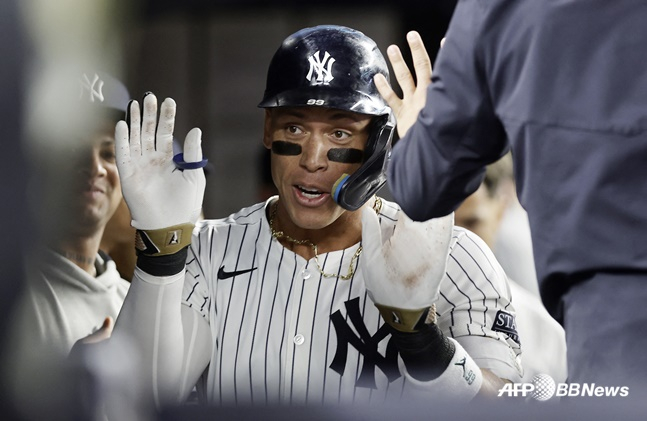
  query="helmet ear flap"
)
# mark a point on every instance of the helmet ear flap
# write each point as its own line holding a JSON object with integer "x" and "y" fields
{"x": 352, "y": 191}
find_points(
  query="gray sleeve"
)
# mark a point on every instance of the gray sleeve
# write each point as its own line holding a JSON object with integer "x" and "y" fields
{"x": 442, "y": 158}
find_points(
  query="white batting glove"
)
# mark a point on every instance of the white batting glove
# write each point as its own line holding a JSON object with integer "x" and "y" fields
{"x": 403, "y": 272}
{"x": 164, "y": 201}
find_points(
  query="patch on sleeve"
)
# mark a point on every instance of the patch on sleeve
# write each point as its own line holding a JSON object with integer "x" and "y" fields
{"x": 505, "y": 322}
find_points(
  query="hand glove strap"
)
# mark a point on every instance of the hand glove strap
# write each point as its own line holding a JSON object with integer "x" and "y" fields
{"x": 406, "y": 320}
{"x": 163, "y": 241}
{"x": 425, "y": 353}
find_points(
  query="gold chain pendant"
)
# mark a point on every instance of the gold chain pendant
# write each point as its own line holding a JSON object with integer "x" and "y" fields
{"x": 377, "y": 207}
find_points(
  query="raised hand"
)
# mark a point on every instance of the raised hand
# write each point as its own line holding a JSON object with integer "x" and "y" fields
{"x": 159, "y": 193}
{"x": 414, "y": 91}
{"x": 403, "y": 272}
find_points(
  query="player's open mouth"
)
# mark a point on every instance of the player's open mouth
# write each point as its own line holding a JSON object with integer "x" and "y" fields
{"x": 309, "y": 193}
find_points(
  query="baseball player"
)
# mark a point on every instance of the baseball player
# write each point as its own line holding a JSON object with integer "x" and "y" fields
{"x": 324, "y": 294}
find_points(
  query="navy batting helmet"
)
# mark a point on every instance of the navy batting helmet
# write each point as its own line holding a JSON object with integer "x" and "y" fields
{"x": 333, "y": 66}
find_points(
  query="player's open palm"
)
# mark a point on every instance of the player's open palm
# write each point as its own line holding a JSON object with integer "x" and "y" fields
{"x": 159, "y": 192}
{"x": 414, "y": 91}
{"x": 403, "y": 269}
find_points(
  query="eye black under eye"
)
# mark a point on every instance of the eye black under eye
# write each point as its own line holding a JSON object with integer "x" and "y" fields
{"x": 346, "y": 155}
{"x": 281, "y": 147}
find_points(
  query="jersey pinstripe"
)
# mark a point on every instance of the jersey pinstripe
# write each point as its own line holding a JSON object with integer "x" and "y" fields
{"x": 284, "y": 334}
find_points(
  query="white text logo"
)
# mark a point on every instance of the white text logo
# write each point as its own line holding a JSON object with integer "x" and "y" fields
{"x": 542, "y": 387}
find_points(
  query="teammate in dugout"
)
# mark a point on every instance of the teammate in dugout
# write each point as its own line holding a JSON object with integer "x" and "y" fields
{"x": 73, "y": 289}
{"x": 326, "y": 293}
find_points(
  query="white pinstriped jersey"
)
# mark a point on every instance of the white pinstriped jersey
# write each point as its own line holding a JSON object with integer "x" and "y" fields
{"x": 282, "y": 333}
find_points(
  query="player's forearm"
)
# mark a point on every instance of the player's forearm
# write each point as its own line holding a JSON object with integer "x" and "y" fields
{"x": 429, "y": 355}
{"x": 151, "y": 319}
{"x": 435, "y": 364}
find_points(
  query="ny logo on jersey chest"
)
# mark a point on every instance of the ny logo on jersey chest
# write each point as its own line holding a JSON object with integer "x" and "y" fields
{"x": 366, "y": 344}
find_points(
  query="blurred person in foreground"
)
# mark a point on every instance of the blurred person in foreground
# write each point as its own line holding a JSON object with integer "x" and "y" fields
{"x": 564, "y": 85}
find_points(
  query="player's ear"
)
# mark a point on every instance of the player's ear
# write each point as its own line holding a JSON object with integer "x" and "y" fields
{"x": 267, "y": 129}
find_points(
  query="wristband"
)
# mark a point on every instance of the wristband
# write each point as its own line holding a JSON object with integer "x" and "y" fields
{"x": 405, "y": 320}
{"x": 164, "y": 241}
{"x": 166, "y": 265}
{"x": 461, "y": 380}
{"x": 425, "y": 353}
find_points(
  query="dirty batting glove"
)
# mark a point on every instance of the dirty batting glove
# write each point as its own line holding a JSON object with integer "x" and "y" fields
{"x": 403, "y": 273}
{"x": 165, "y": 201}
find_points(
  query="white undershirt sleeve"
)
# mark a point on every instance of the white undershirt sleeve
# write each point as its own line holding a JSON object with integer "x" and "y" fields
{"x": 173, "y": 341}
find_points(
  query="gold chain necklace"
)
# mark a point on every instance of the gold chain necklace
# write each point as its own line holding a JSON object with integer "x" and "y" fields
{"x": 377, "y": 206}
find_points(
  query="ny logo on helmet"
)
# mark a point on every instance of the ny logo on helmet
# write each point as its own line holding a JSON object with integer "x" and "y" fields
{"x": 323, "y": 68}
{"x": 93, "y": 88}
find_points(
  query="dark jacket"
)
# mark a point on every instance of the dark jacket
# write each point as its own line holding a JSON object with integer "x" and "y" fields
{"x": 564, "y": 83}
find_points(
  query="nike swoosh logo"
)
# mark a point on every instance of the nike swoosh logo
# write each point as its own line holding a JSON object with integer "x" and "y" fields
{"x": 223, "y": 274}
